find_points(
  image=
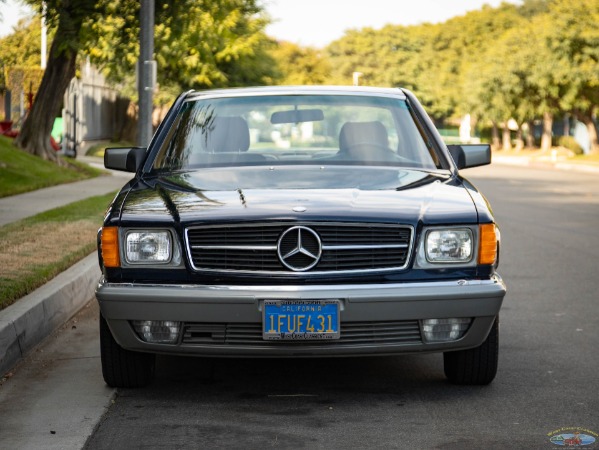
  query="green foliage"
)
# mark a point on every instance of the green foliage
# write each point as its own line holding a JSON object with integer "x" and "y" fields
{"x": 22, "y": 79}
{"x": 198, "y": 44}
{"x": 67, "y": 17}
{"x": 300, "y": 65}
{"x": 23, "y": 46}
{"x": 20, "y": 56}
{"x": 497, "y": 85}
{"x": 428, "y": 59}
{"x": 573, "y": 37}
{"x": 531, "y": 8}
{"x": 570, "y": 143}
{"x": 513, "y": 61}
{"x": 517, "y": 61}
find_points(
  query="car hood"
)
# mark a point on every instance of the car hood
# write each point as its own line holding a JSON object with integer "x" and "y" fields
{"x": 300, "y": 193}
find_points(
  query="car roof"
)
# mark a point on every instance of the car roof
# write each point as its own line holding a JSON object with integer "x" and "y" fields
{"x": 298, "y": 90}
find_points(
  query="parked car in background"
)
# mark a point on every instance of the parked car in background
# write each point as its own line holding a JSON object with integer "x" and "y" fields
{"x": 298, "y": 222}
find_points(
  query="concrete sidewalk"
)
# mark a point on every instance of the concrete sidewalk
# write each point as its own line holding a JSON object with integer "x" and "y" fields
{"x": 20, "y": 206}
{"x": 28, "y": 321}
{"x": 536, "y": 163}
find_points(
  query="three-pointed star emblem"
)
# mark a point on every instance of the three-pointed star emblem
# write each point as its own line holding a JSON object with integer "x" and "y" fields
{"x": 299, "y": 248}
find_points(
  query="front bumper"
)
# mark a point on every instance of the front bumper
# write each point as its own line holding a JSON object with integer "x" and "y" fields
{"x": 365, "y": 306}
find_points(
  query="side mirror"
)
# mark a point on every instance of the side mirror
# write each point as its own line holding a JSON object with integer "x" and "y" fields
{"x": 470, "y": 155}
{"x": 128, "y": 159}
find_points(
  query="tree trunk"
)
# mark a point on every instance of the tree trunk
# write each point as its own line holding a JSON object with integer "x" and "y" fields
{"x": 506, "y": 138}
{"x": 530, "y": 136}
{"x": 495, "y": 137}
{"x": 519, "y": 139}
{"x": 34, "y": 136}
{"x": 547, "y": 131}
{"x": 593, "y": 136}
{"x": 566, "y": 124}
{"x": 587, "y": 119}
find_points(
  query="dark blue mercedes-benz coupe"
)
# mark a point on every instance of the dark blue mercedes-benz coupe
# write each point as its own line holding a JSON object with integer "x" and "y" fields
{"x": 298, "y": 222}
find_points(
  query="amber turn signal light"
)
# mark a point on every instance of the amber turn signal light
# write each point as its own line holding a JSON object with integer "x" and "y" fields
{"x": 487, "y": 249}
{"x": 110, "y": 246}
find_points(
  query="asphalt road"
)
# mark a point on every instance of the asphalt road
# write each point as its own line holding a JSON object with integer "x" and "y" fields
{"x": 548, "y": 380}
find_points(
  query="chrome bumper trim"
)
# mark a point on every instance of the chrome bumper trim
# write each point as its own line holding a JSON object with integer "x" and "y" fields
{"x": 354, "y": 293}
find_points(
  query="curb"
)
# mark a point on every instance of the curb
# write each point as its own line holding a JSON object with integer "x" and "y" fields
{"x": 27, "y": 322}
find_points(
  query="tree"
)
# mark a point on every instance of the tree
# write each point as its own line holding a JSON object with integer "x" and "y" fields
{"x": 357, "y": 51}
{"x": 199, "y": 44}
{"x": 68, "y": 17}
{"x": 20, "y": 58}
{"x": 574, "y": 40}
{"x": 22, "y": 47}
{"x": 547, "y": 77}
{"x": 300, "y": 65}
{"x": 428, "y": 59}
{"x": 497, "y": 86}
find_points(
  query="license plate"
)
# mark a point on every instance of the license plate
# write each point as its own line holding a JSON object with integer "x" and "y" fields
{"x": 300, "y": 319}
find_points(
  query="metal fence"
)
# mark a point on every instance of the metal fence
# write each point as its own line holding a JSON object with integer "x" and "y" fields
{"x": 92, "y": 111}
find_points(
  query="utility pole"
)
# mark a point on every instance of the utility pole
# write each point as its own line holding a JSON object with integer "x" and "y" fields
{"x": 44, "y": 37}
{"x": 146, "y": 72}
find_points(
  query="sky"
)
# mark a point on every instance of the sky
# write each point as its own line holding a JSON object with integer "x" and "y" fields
{"x": 316, "y": 23}
{"x": 10, "y": 13}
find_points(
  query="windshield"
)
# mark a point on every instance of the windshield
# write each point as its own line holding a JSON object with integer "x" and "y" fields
{"x": 294, "y": 129}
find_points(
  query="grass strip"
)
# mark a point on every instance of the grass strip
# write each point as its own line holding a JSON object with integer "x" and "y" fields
{"x": 36, "y": 249}
{"x": 21, "y": 172}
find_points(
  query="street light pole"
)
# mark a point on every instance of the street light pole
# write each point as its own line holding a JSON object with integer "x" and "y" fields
{"x": 356, "y": 78}
{"x": 44, "y": 37}
{"x": 146, "y": 69}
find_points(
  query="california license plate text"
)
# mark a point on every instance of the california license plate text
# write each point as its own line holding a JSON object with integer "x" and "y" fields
{"x": 308, "y": 319}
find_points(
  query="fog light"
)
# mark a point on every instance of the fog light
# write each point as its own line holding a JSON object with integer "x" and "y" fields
{"x": 445, "y": 330}
{"x": 157, "y": 331}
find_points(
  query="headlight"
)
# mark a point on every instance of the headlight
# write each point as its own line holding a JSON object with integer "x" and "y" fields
{"x": 449, "y": 245}
{"x": 148, "y": 247}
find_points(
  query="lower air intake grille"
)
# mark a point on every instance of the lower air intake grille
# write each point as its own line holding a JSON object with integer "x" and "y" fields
{"x": 352, "y": 333}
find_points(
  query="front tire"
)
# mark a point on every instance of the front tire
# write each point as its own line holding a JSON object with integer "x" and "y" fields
{"x": 476, "y": 366}
{"x": 123, "y": 368}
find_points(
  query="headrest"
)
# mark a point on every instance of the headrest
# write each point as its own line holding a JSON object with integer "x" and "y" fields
{"x": 228, "y": 134}
{"x": 353, "y": 133}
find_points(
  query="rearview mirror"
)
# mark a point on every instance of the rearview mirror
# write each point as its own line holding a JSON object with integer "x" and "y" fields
{"x": 470, "y": 155}
{"x": 297, "y": 115}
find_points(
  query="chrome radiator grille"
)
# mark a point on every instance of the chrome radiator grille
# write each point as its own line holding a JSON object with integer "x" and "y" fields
{"x": 332, "y": 247}
{"x": 352, "y": 333}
